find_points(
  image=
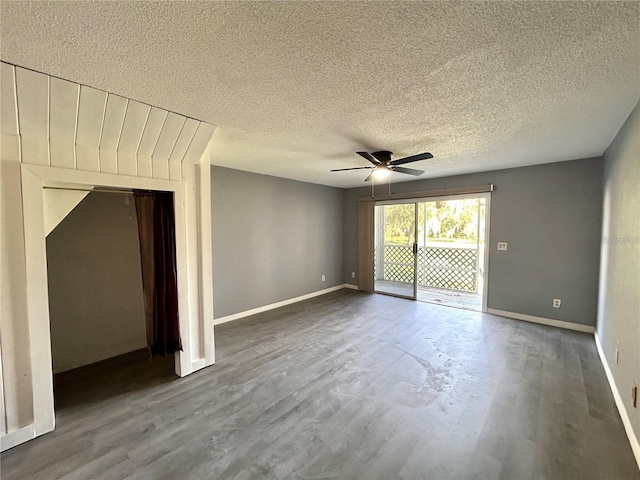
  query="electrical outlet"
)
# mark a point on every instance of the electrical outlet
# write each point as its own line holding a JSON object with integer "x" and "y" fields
{"x": 323, "y": 279}
{"x": 353, "y": 274}
{"x": 556, "y": 303}
{"x": 502, "y": 245}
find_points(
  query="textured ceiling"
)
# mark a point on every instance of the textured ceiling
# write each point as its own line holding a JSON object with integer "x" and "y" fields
{"x": 296, "y": 88}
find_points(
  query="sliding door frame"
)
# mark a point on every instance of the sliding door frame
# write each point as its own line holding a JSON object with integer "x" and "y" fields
{"x": 486, "y": 195}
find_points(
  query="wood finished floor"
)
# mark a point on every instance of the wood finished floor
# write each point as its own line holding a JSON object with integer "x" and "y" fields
{"x": 347, "y": 385}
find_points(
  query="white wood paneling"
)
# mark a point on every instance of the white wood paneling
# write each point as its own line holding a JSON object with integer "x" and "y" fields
{"x": 59, "y": 130}
{"x": 189, "y": 176}
{"x": 9, "y": 126}
{"x": 62, "y": 118}
{"x": 199, "y": 143}
{"x": 50, "y": 121}
{"x": 111, "y": 129}
{"x": 3, "y": 415}
{"x": 9, "y": 106}
{"x": 134, "y": 124}
{"x": 5, "y": 311}
{"x": 149, "y": 140}
{"x": 9, "y": 147}
{"x": 168, "y": 137}
{"x": 13, "y": 301}
{"x": 33, "y": 115}
{"x": 90, "y": 117}
{"x": 205, "y": 258}
{"x": 184, "y": 140}
{"x": 175, "y": 171}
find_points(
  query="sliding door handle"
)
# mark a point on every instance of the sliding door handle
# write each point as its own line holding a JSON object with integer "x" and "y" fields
{"x": 415, "y": 248}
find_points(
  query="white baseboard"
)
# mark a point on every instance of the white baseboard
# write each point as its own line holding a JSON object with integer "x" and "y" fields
{"x": 15, "y": 438}
{"x": 351, "y": 286}
{"x": 265, "y": 308}
{"x": 626, "y": 421}
{"x": 543, "y": 321}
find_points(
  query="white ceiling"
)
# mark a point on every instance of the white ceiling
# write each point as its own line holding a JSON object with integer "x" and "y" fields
{"x": 296, "y": 88}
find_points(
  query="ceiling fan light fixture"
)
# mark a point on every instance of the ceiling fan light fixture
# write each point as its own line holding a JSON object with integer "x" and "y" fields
{"x": 383, "y": 164}
{"x": 381, "y": 171}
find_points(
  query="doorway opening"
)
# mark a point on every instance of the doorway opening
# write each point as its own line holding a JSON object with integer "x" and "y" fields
{"x": 195, "y": 331}
{"x": 433, "y": 250}
{"x": 96, "y": 302}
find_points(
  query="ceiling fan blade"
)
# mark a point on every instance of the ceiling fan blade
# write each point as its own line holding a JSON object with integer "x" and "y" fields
{"x": 354, "y": 168}
{"x": 410, "y": 171}
{"x": 413, "y": 158}
{"x": 369, "y": 177}
{"x": 369, "y": 157}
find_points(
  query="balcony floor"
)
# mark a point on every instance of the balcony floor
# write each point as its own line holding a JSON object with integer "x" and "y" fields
{"x": 438, "y": 296}
{"x": 451, "y": 298}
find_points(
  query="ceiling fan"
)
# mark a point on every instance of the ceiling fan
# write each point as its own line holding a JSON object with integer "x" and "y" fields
{"x": 383, "y": 164}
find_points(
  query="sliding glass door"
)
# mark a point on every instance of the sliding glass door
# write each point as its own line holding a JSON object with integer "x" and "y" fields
{"x": 395, "y": 249}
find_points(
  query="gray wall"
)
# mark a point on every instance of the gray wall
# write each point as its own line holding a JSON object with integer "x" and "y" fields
{"x": 619, "y": 300}
{"x": 95, "y": 283}
{"x": 550, "y": 215}
{"x": 273, "y": 239}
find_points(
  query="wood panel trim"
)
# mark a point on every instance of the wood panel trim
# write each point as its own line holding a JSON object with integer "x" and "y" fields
{"x": 205, "y": 262}
{"x": 3, "y": 411}
{"x": 16, "y": 437}
{"x": 37, "y": 302}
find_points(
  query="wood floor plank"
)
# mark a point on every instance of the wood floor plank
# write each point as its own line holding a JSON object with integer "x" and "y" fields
{"x": 347, "y": 385}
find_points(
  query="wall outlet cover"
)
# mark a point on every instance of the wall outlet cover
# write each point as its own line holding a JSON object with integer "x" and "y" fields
{"x": 557, "y": 302}
{"x": 502, "y": 245}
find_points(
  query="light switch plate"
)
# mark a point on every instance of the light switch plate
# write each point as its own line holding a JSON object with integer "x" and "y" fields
{"x": 502, "y": 245}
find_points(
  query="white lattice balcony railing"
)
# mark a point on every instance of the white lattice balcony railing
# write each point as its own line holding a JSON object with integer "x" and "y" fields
{"x": 453, "y": 268}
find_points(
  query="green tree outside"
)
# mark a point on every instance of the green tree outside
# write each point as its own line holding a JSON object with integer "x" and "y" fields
{"x": 445, "y": 221}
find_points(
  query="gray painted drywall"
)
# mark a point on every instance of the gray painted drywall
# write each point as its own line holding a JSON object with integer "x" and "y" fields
{"x": 550, "y": 216}
{"x": 95, "y": 283}
{"x": 272, "y": 239}
{"x": 619, "y": 299}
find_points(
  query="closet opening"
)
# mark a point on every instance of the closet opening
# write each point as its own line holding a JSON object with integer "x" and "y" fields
{"x": 100, "y": 340}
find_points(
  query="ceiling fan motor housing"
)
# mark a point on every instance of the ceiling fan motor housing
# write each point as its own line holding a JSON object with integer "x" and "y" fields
{"x": 383, "y": 156}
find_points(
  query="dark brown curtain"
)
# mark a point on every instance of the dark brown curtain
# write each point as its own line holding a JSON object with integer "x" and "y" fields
{"x": 366, "y": 210}
{"x": 156, "y": 229}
